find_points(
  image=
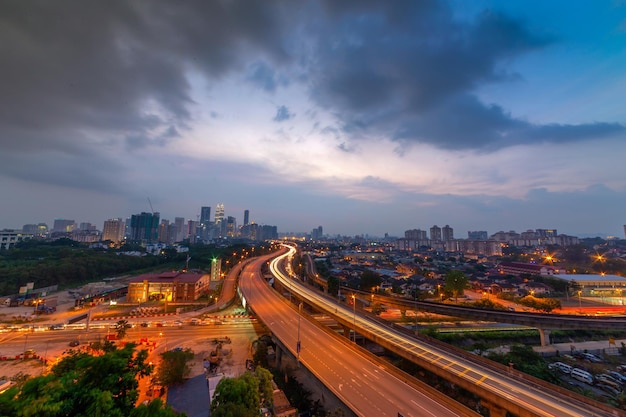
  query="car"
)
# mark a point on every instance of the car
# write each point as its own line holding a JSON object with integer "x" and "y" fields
{"x": 617, "y": 376}
{"x": 29, "y": 352}
{"x": 590, "y": 357}
{"x": 608, "y": 380}
{"x": 563, "y": 367}
{"x": 74, "y": 343}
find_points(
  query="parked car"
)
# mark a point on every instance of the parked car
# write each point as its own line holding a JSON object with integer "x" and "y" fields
{"x": 590, "y": 357}
{"x": 617, "y": 376}
{"x": 74, "y": 343}
{"x": 608, "y": 380}
{"x": 582, "y": 375}
{"x": 563, "y": 367}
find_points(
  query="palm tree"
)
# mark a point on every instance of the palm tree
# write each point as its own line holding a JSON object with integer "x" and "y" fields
{"x": 121, "y": 327}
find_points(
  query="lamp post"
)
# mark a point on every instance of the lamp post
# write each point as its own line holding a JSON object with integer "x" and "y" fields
{"x": 580, "y": 304}
{"x": 354, "y": 315}
{"x": 298, "y": 342}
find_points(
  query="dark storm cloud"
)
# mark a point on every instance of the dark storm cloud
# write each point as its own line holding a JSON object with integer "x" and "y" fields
{"x": 408, "y": 71}
{"x": 282, "y": 114}
{"x": 77, "y": 73}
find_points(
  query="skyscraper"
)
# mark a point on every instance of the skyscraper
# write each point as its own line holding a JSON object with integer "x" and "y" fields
{"x": 219, "y": 213}
{"x": 181, "y": 231}
{"x": 246, "y": 217}
{"x": 435, "y": 233}
{"x": 447, "y": 233}
{"x": 145, "y": 227}
{"x": 205, "y": 216}
{"x": 114, "y": 230}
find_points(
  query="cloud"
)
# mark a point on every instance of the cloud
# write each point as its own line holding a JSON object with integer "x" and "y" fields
{"x": 282, "y": 114}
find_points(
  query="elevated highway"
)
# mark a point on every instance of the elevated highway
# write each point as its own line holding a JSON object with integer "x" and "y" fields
{"x": 367, "y": 385}
{"x": 502, "y": 388}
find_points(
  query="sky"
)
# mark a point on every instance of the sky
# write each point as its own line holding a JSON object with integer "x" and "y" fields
{"x": 364, "y": 117}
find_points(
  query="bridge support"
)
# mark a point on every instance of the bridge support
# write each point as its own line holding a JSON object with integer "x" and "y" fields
{"x": 346, "y": 331}
{"x": 544, "y": 336}
{"x": 494, "y": 410}
{"x": 279, "y": 355}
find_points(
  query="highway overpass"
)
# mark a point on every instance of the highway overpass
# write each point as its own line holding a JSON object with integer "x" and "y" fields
{"x": 501, "y": 388}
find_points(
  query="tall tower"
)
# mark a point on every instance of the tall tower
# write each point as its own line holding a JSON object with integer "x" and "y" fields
{"x": 435, "y": 233}
{"x": 246, "y": 217}
{"x": 113, "y": 230}
{"x": 447, "y": 233}
{"x": 145, "y": 227}
{"x": 219, "y": 213}
{"x": 205, "y": 216}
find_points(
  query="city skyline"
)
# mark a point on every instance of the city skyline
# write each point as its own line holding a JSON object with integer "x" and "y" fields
{"x": 366, "y": 118}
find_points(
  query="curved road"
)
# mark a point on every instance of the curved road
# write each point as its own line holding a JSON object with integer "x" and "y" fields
{"x": 367, "y": 388}
{"x": 517, "y": 394}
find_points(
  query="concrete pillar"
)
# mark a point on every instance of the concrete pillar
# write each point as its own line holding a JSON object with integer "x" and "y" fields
{"x": 495, "y": 410}
{"x": 279, "y": 355}
{"x": 346, "y": 331}
{"x": 544, "y": 336}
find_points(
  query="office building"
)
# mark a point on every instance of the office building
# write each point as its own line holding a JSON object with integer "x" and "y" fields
{"x": 246, "y": 217}
{"x": 114, "y": 230}
{"x": 144, "y": 227}
{"x": 39, "y": 230}
{"x": 63, "y": 226}
{"x": 219, "y": 213}
{"x": 168, "y": 286}
{"x": 181, "y": 230}
{"x": 9, "y": 237}
{"x": 205, "y": 216}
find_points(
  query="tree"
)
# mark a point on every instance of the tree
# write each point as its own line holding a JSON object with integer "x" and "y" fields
{"x": 174, "y": 367}
{"x": 82, "y": 385}
{"x": 369, "y": 280}
{"x": 243, "y": 396}
{"x": 333, "y": 285}
{"x": 121, "y": 327}
{"x": 456, "y": 282}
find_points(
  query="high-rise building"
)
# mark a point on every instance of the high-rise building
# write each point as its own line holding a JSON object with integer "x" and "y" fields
{"x": 415, "y": 234}
{"x": 219, "y": 213}
{"x": 231, "y": 226}
{"x": 181, "y": 231}
{"x": 477, "y": 235}
{"x": 163, "y": 231}
{"x": 246, "y": 217}
{"x": 205, "y": 216}
{"x": 87, "y": 227}
{"x": 114, "y": 230}
{"x": 447, "y": 233}
{"x": 63, "y": 225}
{"x": 435, "y": 233}
{"x": 40, "y": 229}
{"x": 145, "y": 227}
{"x": 317, "y": 233}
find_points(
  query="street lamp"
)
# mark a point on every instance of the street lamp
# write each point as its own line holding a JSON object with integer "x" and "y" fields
{"x": 298, "y": 342}
{"x": 354, "y": 315}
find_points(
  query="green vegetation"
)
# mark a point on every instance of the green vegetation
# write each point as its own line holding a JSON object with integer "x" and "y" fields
{"x": 455, "y": 284}
{"x": 174, "y": 367}
{"x": 525, "y": 359}
{"x": 542, "y": 304}
{"x": 83, "y": 385}
{"x": 69, "y": 264}
{"x": 243, "y": 396}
